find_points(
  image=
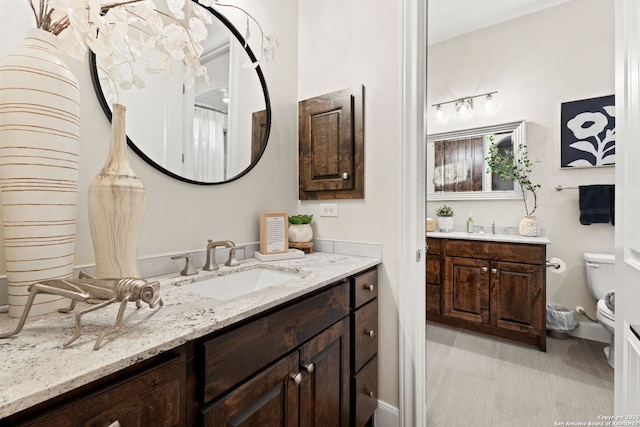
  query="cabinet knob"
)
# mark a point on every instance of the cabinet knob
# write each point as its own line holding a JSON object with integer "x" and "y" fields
{"x": 493, "y": 270}
{"x": 297, "y": 378}
{"x": 309, "y": 368}
{"x": 370, "y": 333}
{"x": 371, "y": 394}
{"x": 485, "y": 269}
{"x": 370, "y": 287}
{"x": 345, "y": 175}
{"x": 116, "y": 423}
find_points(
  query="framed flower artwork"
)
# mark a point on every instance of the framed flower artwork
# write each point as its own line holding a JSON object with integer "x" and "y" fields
{"x": 588, "y": 133}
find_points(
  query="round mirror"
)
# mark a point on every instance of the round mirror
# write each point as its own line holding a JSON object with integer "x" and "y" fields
{"x": 205, "y": 134}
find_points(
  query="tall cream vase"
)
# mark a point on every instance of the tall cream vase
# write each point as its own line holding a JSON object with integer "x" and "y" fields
{"x": 39, "y": 158}
{"x": 116, "y": 208}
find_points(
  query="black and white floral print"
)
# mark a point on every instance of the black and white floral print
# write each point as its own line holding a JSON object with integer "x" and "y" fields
{"x": 588, "y": 134}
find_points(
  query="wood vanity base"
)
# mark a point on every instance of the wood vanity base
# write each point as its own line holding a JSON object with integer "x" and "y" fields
{"x": 496, "y": 288}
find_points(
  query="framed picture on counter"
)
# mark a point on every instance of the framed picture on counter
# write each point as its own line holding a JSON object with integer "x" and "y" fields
{"x": 274, "y": 233}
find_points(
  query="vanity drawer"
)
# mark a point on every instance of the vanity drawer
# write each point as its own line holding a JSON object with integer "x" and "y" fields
{"x": 252, "y": 346}
{"x": 365, "y": 393}
{"x": 508, "y": 252}
{"x": 364, "y": 288}
{"x": 365, "y": 334}
{"x": 433, "y": 246}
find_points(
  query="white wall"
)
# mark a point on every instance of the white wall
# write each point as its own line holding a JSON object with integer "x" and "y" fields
{"x": 181, "y": 217}
{"x": 344, "y": 44}
{"x": 536, "y": 62}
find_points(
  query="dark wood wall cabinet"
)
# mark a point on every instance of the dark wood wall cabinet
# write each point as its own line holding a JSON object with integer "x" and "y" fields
{"x": 497, "y": 288}
{"x": 331, "y": 145}
{"x": 309, "y": 362}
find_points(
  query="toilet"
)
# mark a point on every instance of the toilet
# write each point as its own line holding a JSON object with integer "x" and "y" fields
{"x": 600, "y": 268}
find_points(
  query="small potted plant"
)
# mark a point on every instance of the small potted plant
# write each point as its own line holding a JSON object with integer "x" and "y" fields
{"x": 300, "y": 230}
{"x": 445, "y": 218}
{"x": 518, "y": 167}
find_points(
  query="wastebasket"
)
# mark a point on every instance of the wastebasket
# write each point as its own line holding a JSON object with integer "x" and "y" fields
{"x": 560, "y": 321}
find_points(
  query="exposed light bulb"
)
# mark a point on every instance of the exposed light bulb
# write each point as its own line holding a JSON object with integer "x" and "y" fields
{"x": 441, "y": 115}
{"x": 490, "y": 105}
{"x": 464, "y": 106}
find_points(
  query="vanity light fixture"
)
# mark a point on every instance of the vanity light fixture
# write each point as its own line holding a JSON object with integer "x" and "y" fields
{"x": 463, "y": 106}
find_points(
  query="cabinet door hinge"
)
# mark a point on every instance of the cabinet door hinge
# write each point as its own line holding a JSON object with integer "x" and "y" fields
{"x": 418, "y": 255}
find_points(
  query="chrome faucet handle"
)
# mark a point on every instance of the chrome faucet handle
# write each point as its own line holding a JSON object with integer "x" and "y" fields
{"x": 189, "y": 269}
{"x": 210, "y": 264}
{"x": 232, "y": 257}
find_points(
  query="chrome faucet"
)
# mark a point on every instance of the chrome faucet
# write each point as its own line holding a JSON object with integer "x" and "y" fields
{"x": 493, "y": 227}
{"x": 210, "y": 264}
{"x": 188, "y": 269}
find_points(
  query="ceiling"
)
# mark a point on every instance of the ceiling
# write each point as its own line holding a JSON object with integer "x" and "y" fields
{"x": 451, "y": 18}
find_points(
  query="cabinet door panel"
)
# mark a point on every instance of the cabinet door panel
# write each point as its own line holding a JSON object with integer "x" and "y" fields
{"x": 467, "y": 289}
{"x": 269, "y": 399}
{"x": 517, "y": 297}
{"x": 324, "y": 392}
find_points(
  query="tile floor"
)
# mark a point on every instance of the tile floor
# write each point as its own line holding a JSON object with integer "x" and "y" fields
{"x": 479, "y": 380}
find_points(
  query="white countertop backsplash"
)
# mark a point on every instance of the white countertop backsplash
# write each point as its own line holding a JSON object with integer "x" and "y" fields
{"x": 35, "y": 367}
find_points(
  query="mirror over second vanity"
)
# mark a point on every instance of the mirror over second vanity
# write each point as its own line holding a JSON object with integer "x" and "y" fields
{"x": 206, "y": 133}
{"x": 457, "y": 167}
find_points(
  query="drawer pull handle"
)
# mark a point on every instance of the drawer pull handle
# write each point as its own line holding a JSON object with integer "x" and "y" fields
{"x": 370, "y": 333}
{"x": 297, "y": 378}
{"x": 309, "y": 368}
{"x": 369, "y": 287}
{"x": 371, "y": 394}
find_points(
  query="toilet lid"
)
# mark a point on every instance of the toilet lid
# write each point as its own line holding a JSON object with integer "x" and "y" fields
{"x": 604, "y": 311}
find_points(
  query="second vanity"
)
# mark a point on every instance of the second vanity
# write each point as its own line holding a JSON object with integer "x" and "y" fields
{"x": 291, "y": 353}
{"x": 489, "y": 283}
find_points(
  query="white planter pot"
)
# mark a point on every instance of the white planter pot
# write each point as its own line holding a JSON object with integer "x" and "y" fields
{"x": 300, "y": 233}
{"x": 529, "y": 227}
{"x": 445, "y": 223}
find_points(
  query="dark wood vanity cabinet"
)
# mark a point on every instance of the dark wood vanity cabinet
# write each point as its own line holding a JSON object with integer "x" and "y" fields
{"x": 309, "y": 362}
{"x": 150, "y": 393}
{"x": 492, "y": 287}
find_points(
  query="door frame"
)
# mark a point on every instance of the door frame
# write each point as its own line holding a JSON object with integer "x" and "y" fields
{"x": 411, "y": 278}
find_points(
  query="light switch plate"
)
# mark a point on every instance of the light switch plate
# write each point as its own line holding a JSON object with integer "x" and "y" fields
{"x": 329, "y": 209}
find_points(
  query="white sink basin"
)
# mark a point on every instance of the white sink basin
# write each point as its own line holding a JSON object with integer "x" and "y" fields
{"x": 240, "y": 283}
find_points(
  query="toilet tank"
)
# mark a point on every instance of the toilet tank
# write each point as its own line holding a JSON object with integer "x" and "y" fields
{"x": 600, "y": 278}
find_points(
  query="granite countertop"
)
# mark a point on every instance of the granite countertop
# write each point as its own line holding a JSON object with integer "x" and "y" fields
{"x": 511, "y": 238}
{"x": 34, "y": 366}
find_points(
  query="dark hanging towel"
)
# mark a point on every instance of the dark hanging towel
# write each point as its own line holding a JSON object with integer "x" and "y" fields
{"x": 597, "y": 204}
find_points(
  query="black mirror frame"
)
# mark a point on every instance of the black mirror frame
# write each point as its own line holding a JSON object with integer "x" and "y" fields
{"x": 107, "y": 109}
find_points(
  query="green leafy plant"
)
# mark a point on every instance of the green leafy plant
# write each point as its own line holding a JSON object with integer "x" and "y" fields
{"x": 444, "y": 211}
{"x": 300, "y": 219}
{"x": 518, "y": 167}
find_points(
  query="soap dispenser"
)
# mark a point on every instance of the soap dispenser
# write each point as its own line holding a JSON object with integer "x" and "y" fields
{"x": 470, "y": 224}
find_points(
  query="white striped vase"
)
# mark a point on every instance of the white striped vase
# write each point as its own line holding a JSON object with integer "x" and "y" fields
{"x": 39, "y": 146}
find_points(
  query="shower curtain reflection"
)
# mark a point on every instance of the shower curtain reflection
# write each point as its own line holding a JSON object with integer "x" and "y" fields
{"x": 207, "y": 157}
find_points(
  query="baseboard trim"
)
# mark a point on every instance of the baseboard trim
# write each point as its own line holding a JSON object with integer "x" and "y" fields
{"x": 386, "y": 415}
{"x": 591, "y": 331}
